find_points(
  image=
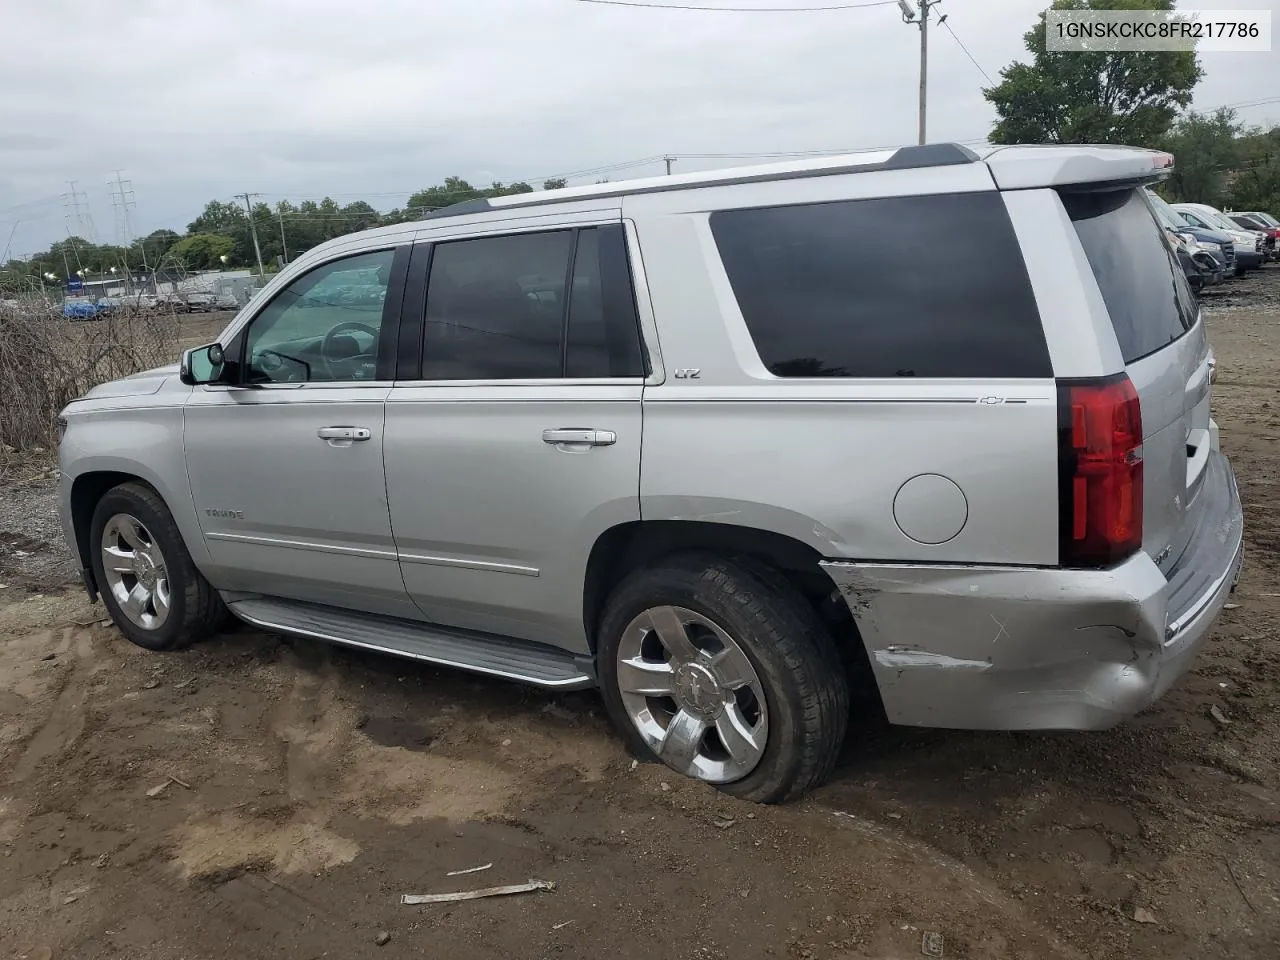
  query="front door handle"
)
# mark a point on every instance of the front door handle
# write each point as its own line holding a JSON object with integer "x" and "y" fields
{"x": 349, "y": 434}
{"x": 587, "y": 437}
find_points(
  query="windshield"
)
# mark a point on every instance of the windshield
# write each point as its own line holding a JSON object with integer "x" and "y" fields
{"x": 1166, "y": 214}
{"x": 1223, "y": 221}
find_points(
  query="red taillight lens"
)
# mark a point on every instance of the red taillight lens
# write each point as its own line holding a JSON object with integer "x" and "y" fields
{"x": 1100, "y": 463}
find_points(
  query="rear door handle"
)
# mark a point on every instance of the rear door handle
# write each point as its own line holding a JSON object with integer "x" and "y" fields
{"x": 591, "y": 438}
{"x": 350, "y": 434}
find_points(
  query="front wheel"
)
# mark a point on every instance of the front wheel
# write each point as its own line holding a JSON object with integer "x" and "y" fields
{"x": 725, "y": 676}
{"x": 145, "y": 575}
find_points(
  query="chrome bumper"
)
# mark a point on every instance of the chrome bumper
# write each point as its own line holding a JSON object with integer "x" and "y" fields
{"x": 1007, "y": 648}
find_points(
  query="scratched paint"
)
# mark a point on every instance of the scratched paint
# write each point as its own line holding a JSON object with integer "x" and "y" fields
{"x": 896, "y": 658}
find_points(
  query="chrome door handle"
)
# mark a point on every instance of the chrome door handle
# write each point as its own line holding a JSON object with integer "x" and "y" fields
{"x": 591, "y": 438}
{"x": 344, "y": 433}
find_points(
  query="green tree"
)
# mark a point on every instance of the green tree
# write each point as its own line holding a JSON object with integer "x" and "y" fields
{"x": 152, "y": 248}
{"x": 202, "y": 251}
{"x": 555, "y": 183}
{"x": 1061, "y": 97}
{"x": 1204, "y": 148}
{"x": 1254, "y": 183}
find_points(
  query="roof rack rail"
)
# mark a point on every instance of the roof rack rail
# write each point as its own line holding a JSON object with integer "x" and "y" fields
{"x": 903, "y": 158}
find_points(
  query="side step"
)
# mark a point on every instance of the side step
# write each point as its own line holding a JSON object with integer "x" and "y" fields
{"x": 521, "y": 660}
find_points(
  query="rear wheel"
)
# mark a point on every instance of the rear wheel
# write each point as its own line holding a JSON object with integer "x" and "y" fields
{"x": 145, "y": 575}
{"x": 724, "y": 676}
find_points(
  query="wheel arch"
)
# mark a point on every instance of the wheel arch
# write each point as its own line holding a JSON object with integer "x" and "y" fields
{"x": 628, "y": 546}
{"x": 86, "y": 490}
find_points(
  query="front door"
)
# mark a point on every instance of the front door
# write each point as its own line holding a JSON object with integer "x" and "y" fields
{"x": 520, "y": 443}
{"x": 286, "y": 466}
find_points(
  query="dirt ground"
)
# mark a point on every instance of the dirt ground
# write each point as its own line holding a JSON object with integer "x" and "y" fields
{"x": 260, "y": 797}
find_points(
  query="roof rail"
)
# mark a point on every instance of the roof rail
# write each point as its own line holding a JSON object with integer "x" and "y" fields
{"x": 903, "y": 158}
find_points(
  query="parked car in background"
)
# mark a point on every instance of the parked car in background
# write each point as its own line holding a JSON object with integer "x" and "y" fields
{"x": 82, "y": 308}
{"x": 1265, "y": 224}
{"x": 144, "y": 301}
{"x": 171, "y": 302}
{"x": 685, "y": 449}
{"x": 225, "y": 301}
{"x": 1200, "y": 242}
{"x": 201, "y": 302}
{"x": 1250, "y": 249}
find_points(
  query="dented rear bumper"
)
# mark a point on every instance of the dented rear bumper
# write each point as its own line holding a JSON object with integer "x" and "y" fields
{"x": 1009, "y": 648}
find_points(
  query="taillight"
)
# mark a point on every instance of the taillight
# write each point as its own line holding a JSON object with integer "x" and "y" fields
{"x": 1100, "y": 471}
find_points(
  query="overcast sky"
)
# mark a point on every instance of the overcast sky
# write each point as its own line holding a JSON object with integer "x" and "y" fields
{"x": 372, "y": 99}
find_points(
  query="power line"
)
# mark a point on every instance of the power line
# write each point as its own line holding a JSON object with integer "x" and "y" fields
{"x": 689, "y": 6}
{"x": 947, "y": 23}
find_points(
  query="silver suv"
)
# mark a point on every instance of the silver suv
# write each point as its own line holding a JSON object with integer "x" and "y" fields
{"x": 720, "y": 444}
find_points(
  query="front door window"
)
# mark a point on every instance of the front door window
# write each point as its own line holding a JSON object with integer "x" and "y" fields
{"x": 325, "y": 326}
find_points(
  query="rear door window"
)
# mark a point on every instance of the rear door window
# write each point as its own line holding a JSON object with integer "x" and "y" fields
{"x": 1144, "y": 288}
{"x": 930, "y": 286}
{"x": 532, "y": 306}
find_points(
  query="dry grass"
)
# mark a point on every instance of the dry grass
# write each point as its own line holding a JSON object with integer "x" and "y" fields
{"x": 47, "y": 361}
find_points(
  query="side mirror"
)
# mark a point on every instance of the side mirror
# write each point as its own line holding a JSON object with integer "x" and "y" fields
{"x": 202, "y": 365}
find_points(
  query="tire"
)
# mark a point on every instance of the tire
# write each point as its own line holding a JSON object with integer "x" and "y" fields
{"x": 785, "y": 708}
{"x": 132, "y": 526}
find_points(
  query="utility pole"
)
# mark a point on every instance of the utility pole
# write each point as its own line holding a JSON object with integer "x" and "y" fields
{"x": 283, "y": 243}
{"x": 909, "y": 16}
{"x": 253, "y": 232}
{"x": 668, "y": 161}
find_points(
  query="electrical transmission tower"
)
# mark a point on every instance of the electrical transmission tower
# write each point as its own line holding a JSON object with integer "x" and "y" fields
{"x": 77, "y": 205}
{"x": 122, "y": 200}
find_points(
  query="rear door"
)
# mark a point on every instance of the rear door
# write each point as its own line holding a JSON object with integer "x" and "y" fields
{"x": 516, "y": 440}
{"x": 1165, "y": 351}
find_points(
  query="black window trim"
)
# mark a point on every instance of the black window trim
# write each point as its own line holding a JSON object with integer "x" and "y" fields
{"x": 412, "y": 340}
{"x": 392, "y": 319}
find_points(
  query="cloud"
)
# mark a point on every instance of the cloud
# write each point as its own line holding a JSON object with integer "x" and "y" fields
{"x": 298, "y": 98}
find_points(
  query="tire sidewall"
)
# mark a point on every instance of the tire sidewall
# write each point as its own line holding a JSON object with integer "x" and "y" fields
{"x": 699, "y": 591}
{"x": 160, "y": 526}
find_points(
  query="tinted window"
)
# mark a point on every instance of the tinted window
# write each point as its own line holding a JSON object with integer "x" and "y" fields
{"x": 498, "y": 308}
{"x": 495, "y": 307}
{"x": 604, "y": 331}
{"x": 325, "y": 326}
{"x": 1144, "y": 289}
{"x": 909, "y": 286}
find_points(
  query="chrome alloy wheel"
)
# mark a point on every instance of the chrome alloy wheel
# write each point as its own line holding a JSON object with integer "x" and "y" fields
{"x": 693, "y": 694}
{"x": 135, "y": 571}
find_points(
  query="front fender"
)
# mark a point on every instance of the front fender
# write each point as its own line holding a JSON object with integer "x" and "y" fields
{"x": 138, "y": 441}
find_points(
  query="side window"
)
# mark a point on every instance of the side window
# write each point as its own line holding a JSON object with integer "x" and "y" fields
{"x": 929, "y": 286}
{"x": 604, "y": 329}
{"x": 324, "y": 327}
{"x": 531, "y": 306}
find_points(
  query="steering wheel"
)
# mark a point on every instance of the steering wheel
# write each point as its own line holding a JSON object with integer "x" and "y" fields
{"x": 344, "y": 367}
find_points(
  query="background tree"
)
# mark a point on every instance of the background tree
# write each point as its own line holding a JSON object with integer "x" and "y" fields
{"x": 1127, "y": 97}
{"x": 1205, "y": 148}
{"x": 1254, "y": 183}
{"x": 202, "y": 251}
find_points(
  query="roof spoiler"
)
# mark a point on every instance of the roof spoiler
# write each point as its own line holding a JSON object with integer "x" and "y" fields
{"x": 1083, "y": 167}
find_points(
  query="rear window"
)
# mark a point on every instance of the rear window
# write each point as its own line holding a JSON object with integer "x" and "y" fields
{"x": 1144, "y": 288}
{"x": 929, "y": 286}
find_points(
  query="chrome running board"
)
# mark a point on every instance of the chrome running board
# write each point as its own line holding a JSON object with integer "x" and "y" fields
{"x": 497, "y": 656}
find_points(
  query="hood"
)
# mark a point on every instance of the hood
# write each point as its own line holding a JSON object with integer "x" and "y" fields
{"x": 135, "y": 385}
{"x": 1209, "y": 236}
